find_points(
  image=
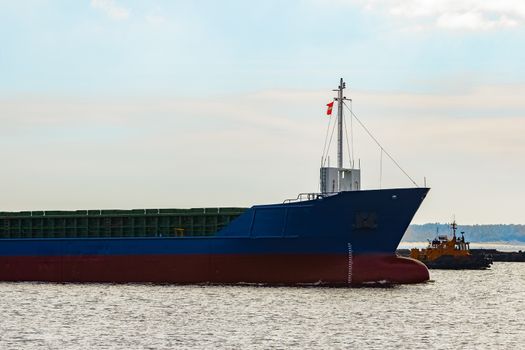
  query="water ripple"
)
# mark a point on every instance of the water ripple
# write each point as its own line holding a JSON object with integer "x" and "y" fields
{"x": 459, "y": 309}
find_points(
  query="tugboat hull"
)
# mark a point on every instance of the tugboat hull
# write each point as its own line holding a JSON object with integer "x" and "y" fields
{"x": 470, "y": 262}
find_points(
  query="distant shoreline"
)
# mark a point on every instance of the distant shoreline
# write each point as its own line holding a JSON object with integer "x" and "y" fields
{"x": 495, "y": 233}
{"x": 501, "y": 246}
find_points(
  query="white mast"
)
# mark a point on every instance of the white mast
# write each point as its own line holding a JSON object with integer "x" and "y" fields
{"x": 340, "y": 179}
{"x": 339, "y": 100}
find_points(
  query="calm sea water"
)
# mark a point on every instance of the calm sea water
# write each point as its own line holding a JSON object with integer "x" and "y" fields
{"x": 458, "y": 310}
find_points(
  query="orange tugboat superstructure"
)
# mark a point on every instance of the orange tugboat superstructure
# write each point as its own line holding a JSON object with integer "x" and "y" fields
{"x": 454, "y": 253}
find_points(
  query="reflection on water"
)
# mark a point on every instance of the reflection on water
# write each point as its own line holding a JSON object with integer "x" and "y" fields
{"x": 459, "y": 309}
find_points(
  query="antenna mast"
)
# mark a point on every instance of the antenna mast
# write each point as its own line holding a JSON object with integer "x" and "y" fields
{"x": 340, "y": 98}
{"x": 338, "y": 179}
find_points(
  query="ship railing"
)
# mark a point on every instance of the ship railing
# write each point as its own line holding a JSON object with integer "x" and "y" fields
{"x": 301, "y": 197}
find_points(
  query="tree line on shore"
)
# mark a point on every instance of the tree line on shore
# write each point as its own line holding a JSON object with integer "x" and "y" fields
{"x": 473, "y": 233}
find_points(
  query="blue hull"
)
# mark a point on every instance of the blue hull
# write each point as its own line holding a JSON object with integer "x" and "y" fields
{"x": 371, "y": 221}
{"x": 335, "y": 228}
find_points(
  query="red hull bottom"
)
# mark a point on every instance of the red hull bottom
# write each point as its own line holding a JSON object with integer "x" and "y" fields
{"x": 273, "y": 269}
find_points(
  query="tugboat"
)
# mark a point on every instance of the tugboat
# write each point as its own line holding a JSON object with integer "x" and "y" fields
{"x": 450, "y": 254}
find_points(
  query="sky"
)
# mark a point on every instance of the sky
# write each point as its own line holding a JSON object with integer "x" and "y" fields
{"x": 146, "y": 104}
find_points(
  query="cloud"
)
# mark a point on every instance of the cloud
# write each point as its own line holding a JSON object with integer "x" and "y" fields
{"x": 155, "y": 19}
{"x": 451, "y": 14}
{"x": 111, "y": 9}
{"x": 473, "y": 21}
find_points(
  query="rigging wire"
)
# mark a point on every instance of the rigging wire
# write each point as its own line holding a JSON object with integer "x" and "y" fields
{"x": 380, "y": 146}
{"x": 350, "y": 155}
{"x": 325, "y": 140}
{"x": 330, "y": 142}
{"x": 352, "y": 134}
{"x": 380, "y": 168}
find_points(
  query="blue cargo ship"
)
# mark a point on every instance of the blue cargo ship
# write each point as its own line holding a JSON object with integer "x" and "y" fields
{"x": 341, "y": 236}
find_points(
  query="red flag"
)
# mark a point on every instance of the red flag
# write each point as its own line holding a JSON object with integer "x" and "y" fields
{"x": 330, "y": 106}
